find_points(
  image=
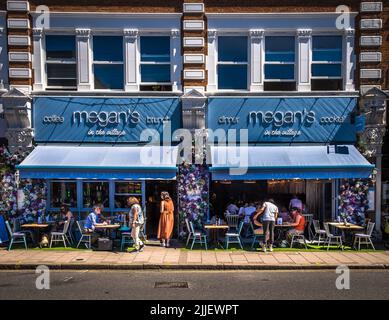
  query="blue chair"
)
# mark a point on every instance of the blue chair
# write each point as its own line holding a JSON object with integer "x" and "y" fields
{"x": 234, "y": 237}
{"x": 198, "y": 237}
{"x": 257, "y": 237}
{"x": 126, "y": 239}
{"x": 16, "y": 237}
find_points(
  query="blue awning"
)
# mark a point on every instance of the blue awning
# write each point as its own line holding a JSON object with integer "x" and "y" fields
{"x": 288, "y": 162}
{"x": 100, "y": 162}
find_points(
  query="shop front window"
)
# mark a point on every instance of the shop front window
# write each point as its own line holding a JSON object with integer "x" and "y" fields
{"x": 95, "y": 193}
{"x": 232, "y": 63}
{"x": 280, "y": 64}
{"x": 63, "y": 192}
{"x": 124, "y": 190}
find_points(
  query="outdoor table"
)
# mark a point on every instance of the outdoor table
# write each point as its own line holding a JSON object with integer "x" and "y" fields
{"x": 108, "y": 228}
{"x": 282, "y": 229}
{"x": 349, "y": 227}
{"x": 214, "y": 230}
{"x": 36, "y": 227}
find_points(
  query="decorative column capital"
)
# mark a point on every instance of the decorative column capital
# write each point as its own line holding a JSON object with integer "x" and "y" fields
{"x": 131, "y": 33}
{"x": 37, "y": 33}
{"x": 304, "y": 33}
{"x": 175, "y": 33}
{"x": 83, "y": 33}
{"x": 212, "y": 34}
{"x": 257, "y": 33}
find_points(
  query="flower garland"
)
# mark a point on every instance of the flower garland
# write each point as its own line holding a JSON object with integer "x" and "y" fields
{"x": 193, "y": 194}
{"x": 34, "y": 191}
{"x": 353, "y": 201}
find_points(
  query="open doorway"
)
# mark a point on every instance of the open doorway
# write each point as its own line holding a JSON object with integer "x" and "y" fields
{"x": 153, "y": 202}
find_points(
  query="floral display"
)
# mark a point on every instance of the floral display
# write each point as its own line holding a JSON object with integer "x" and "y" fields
{"x": 34, "y": 192}
{"x": 353, "y": 201}
{"x": 193, "y": 188}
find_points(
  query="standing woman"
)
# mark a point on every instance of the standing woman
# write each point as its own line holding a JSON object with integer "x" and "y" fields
{"x": 166, "y": 220}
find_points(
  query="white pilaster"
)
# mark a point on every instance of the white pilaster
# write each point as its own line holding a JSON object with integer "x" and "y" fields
{"x": 212, "y": 61}
{"x": 130, "y": 59}
{"x": 304, "y": 45}
{"x": 348, "y": 60}
{"x": 38, "y": 62}
{"x": 257, "y": 54}
{"x": 176, "y": 60}
{"x": 84, "y": 61}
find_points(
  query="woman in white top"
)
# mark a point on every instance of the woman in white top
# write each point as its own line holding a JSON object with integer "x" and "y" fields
{"x": 270, "y": 213}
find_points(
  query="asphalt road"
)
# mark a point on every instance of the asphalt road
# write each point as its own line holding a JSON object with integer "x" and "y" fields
{"x": 245, "y": 285}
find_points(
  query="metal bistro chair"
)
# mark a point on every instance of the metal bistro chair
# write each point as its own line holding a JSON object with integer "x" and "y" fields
{"x": 331, "y": 237}
{"x": 299, "y": 235}
{"x": 319, "y": 233}
{"x": 190, "y": 233}
{"x": 85, "y": 238}
{"x": 232, "y": 222}
{"x": 126, "y": 239}
{"x": 309, "y": 221}
{"x": 18, "y": 229}
{"x": 61, "y": 236}
{"x": 16, "y": 237}
{"x": 257, "y": 236}
{"x": 234, "y": 237}
{"x": 365, "y": 238}
{"x": 198, "y": 237}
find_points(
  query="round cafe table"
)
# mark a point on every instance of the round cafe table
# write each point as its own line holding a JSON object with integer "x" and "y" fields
{"x": 108, "y": 229}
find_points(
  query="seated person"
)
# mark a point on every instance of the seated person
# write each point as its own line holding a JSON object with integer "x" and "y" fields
{"x": 249, "y": 211}
{"x": 298, "y": 223}
{"x": 284, "y": 214}
{"x": 92, "y": 220}
{"x": 232, "y": 209}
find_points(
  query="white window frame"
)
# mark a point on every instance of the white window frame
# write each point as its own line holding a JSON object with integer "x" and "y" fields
{"x": 108, "y": 62}
{"x": 294, "y": 63}
{"x": 312, "y": 62}
{"x": 59, "y": 61}
{"x": 232, "y": 63}
{"x": 153, "y": 62}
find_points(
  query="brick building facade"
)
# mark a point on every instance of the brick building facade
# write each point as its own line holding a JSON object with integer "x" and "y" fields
{"x": 292, "y": 51}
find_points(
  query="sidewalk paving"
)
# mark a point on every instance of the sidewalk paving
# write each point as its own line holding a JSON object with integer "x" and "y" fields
{"x": 177, "y": 258}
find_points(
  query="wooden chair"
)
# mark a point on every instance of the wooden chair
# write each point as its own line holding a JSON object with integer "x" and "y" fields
{"x": 234, "y": 237}
{"x": 198, "y": 237}
{"x": 365, "y": 238}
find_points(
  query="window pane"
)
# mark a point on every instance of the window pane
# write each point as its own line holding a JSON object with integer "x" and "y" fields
{"x": 327, "y": 48}
{"x": 155, "y": 73}
{"x": 61, "y": 75}
{"x": 280, "y": 49}
{"x": 232, "y": 49}
{"x": 232, "y": 77}
{"x": 279, "y": 71}
{"x": 155, "y": 49}
{"x": 108, "y": 76}
{"x": 95, "y": 193}
{"x": 107, "y": 48}
{"x": 63, "y": 193}
{"x": 326, "y": 70}
{"x": 128, "y": 188}
{"x": 280, "y": 86}
{"x": 60, "y": 47}
{"x": 326, "y": 84}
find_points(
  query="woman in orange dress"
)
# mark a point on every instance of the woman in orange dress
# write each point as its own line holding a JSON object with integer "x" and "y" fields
{"x": 166, "y": 220}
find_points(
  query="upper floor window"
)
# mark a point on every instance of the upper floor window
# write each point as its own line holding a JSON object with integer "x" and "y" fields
{"x": 155, "y": 63}
{"x": 280, "y": 63}
{"x": 61, "y": 65}
{"x": 232, "y": 63}
{"x": 327, "y": 63}
{"x": 108, "y": 67}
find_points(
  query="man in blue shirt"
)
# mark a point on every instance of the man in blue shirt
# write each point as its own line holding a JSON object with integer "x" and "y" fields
{"x": 93, "y": 218}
